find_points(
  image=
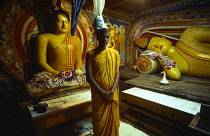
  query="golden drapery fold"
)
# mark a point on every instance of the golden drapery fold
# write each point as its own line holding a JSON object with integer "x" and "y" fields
{"x": 66, "y": 56}
{"x": 105, "y": 117}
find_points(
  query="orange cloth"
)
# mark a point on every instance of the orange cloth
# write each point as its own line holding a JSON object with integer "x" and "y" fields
{"x": 105, "y": 117}
{"x": 66, "y": 56}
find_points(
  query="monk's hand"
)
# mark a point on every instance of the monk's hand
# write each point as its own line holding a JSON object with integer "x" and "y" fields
{"x": 78, "y": 71}
{"x": 108, "y": 97}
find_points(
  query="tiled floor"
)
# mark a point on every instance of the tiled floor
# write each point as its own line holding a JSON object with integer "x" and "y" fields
{"x": 84, "y": 128}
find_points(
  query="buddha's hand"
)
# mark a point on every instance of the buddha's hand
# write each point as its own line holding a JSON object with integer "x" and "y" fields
{"x": 78, "y": 71}
{"x": 55, "y": 73}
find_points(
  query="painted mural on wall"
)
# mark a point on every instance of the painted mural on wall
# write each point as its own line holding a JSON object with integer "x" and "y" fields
{"x": 117, "y": 39}
{"x": 169, "y": 24}
{"x": 21, "y": 22}
{"x": 118, "y": 31}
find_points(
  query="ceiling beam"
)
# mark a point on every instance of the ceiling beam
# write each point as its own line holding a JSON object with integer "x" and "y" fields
{"x": 111, "y": 5}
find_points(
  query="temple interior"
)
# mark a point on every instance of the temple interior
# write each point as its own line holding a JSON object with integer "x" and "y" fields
{"x": 164, "y": 85}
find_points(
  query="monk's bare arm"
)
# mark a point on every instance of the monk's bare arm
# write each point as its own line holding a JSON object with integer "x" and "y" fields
{"x": 42, "y": 43}
{"x": 109, "y": 94}
{"x": 116, "y": 81}
{"x": 89, "y": 72}
{"x": 117, "y": 77}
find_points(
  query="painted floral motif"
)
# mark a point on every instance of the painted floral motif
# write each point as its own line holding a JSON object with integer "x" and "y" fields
{"x": 166, "y": 61}
{"x": 45, "y": 80}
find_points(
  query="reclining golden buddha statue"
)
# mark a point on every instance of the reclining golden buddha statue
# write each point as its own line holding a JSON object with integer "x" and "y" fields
{"x": 58, "y": 58}
{"x": 191, "y": 53}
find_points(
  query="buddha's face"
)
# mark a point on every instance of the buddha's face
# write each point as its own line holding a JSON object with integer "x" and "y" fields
{"x": 160, "y": 45}
{"x": 112, "y": 33}
{"x": 61, "y": 24}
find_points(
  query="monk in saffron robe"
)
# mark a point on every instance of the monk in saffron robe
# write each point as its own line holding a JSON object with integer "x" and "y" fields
{"x": 58, "y": 51}
{"x": 102, "y": 69}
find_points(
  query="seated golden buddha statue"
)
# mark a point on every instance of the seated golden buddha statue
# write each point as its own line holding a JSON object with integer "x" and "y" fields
{"x": 58, "y": 58}
{"x": 191, "y": 52}
{"x": 58, "y": 51}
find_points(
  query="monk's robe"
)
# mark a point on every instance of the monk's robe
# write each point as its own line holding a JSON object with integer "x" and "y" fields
{"x": 66, "y": 56}
{"x": 105, "y": 117}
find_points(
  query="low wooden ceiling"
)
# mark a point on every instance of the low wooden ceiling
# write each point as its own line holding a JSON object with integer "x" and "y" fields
{"x": 131, "y": 9}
